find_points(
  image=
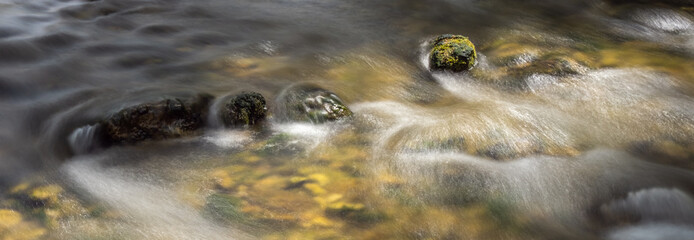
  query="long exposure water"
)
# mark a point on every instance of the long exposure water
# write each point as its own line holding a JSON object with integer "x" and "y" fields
{"x": 577, "y": 121}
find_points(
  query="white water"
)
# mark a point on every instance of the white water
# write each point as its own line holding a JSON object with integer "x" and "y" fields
{"x": 149, "y": 210}
{"x": 662, "y": 213}
{"x": 82, "y": 140}
{"x": 229, "y": 138}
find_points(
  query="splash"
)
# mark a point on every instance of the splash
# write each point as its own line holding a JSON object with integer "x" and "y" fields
{"x": 229, "y": 138}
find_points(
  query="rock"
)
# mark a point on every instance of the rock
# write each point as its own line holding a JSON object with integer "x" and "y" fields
{"x": 244, "y": 109}
{"x": 168, "y": 118}
{"x": 310, "y": 103}
{"x": 453, "y": 53}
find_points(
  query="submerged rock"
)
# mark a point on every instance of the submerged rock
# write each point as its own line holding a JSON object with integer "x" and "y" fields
{"x": 224, "y": 208}
{"x": 310, "y": 103}
{"x": 550, "y": 65}
{"x": 168, "y": 118}
{"x": 244, "y": 109}
{"x": 354, "y": 212}
{"x": 453, "y": 53}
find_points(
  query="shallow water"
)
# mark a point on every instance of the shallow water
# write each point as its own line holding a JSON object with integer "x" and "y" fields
{"x": 601, "y": 149}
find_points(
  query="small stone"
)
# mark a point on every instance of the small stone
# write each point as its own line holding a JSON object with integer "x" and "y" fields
{"x": 310, "y": 103}
{"x": 453, "y": 53}
{"x": 244, "y": 109}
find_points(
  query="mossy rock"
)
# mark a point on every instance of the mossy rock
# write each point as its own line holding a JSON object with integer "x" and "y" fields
{"x": 244, "y": 109}
{"x": 310, "y": 103}
{"x": 169, "y": 118}
{"x": 453, "y": 53}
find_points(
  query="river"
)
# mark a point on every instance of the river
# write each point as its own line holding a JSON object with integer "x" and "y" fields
{"x": 577, "y": 121}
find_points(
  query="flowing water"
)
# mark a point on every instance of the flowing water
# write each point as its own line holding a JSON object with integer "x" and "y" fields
{"x": 600, "y": 147}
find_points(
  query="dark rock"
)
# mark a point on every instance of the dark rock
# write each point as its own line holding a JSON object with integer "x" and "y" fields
{"x": 168, "y": 118}
{"x": 244, "y": 109}
{"x": 453, "y": 53}
{"x": 310, "y": 103}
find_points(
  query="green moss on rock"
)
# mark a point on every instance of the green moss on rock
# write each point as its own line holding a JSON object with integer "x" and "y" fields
{"x": 169, "y": 118}
{"x": 244, "y": 109}
{"x": 453, "y": 53}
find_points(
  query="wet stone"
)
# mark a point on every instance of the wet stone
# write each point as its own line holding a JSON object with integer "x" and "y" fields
{"x": 453, "y": 53}
{"x": 244, "y": 109}
{"x": 168, "y": 118}
{"x": 310, "y": 103}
